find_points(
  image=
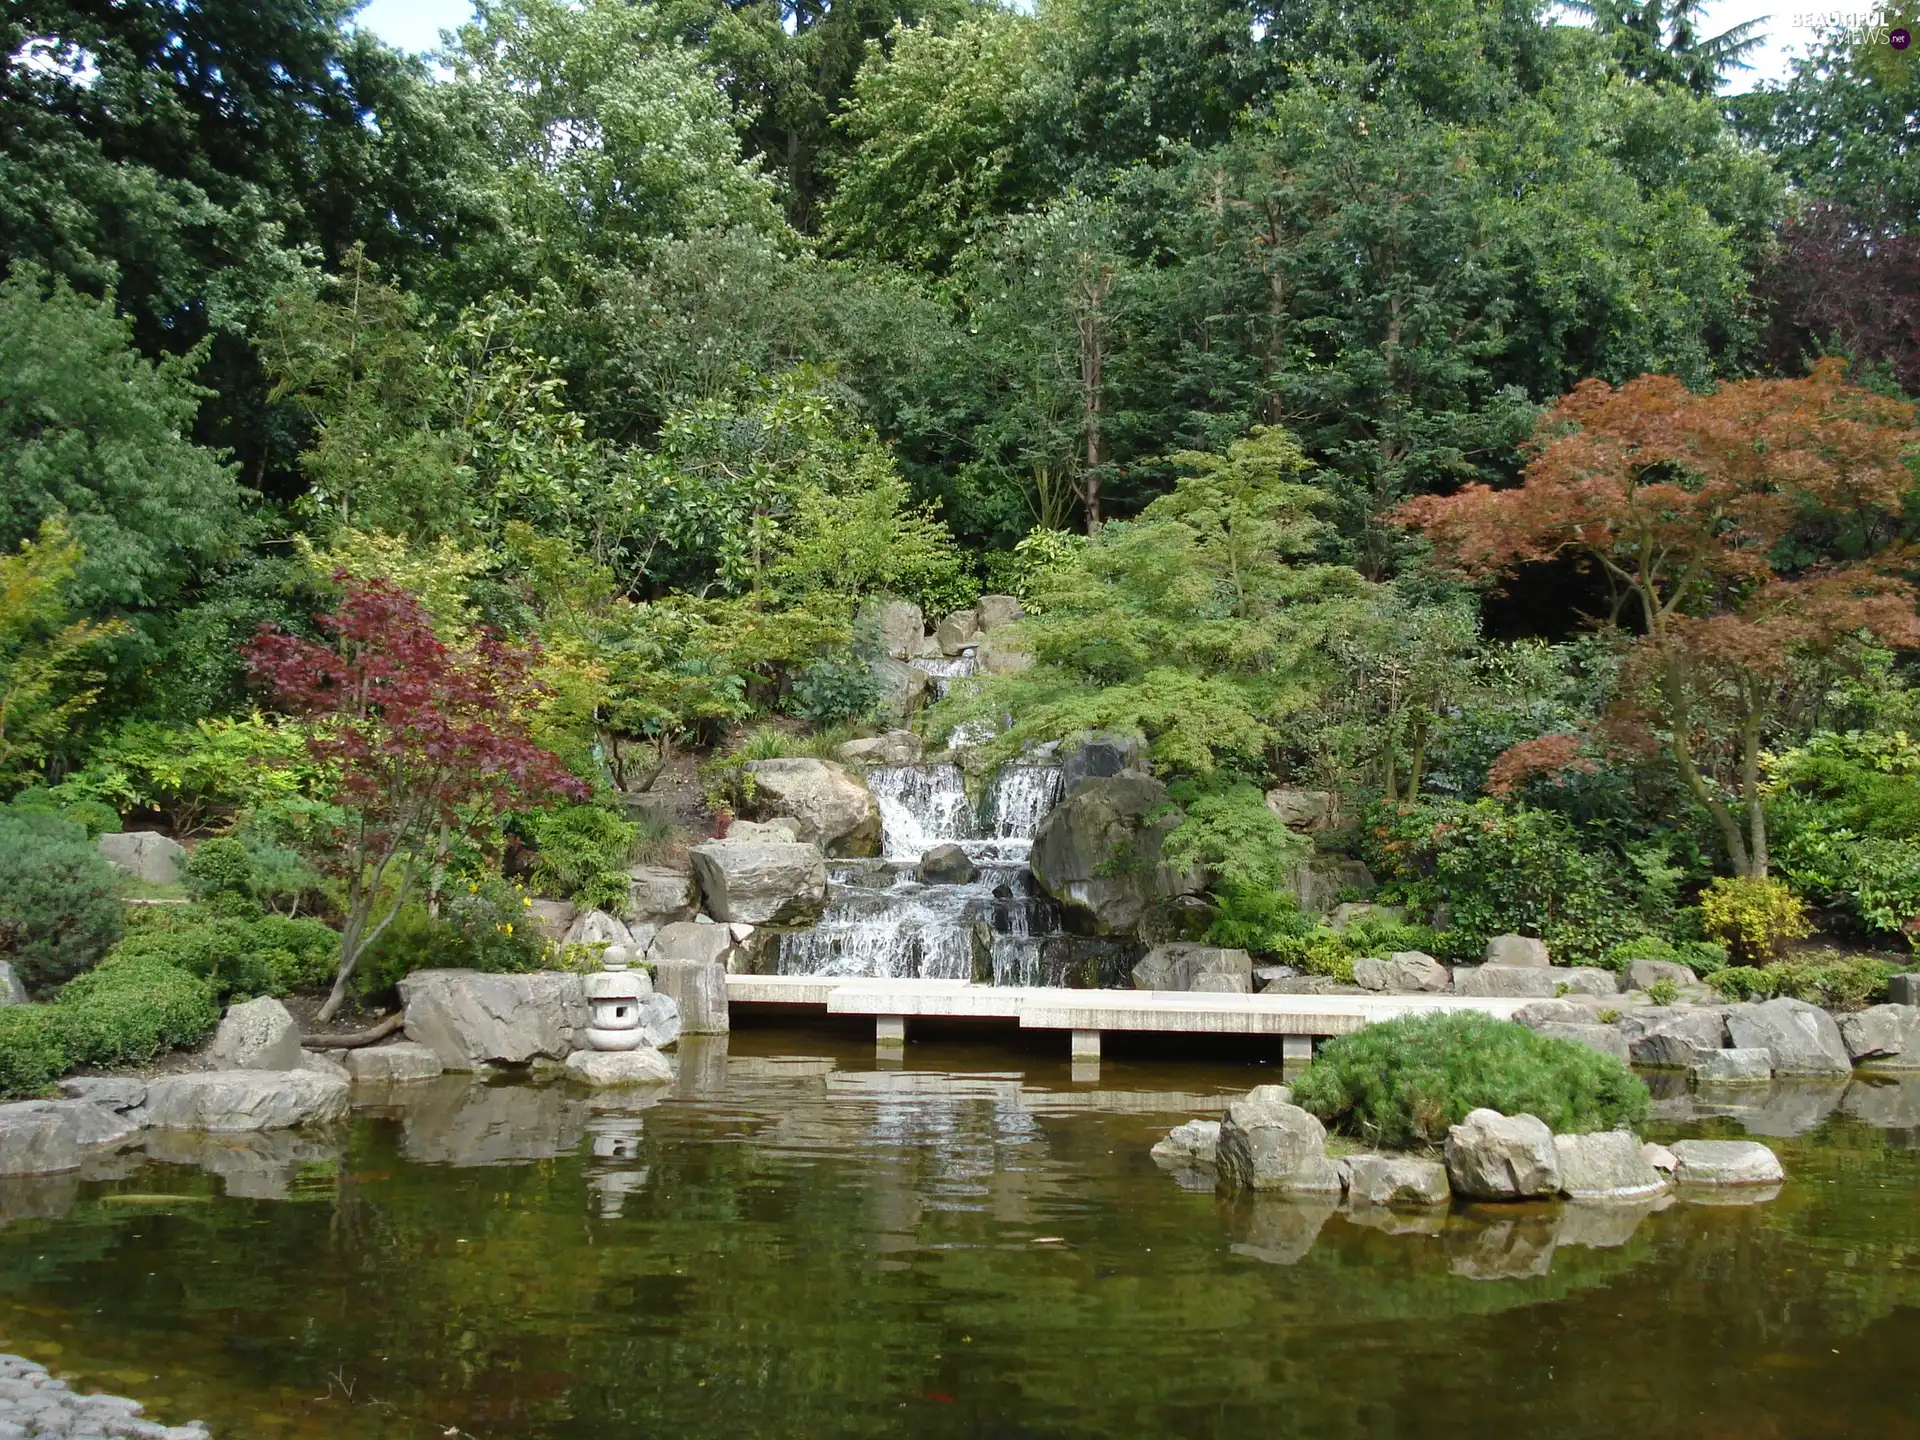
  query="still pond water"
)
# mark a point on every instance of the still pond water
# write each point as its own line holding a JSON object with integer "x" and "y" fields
{"x": 797, "y": 1243}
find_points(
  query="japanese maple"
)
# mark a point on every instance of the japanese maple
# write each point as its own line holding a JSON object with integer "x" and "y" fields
{"x": 1701, "y": 508}
{"x": 426, "y": 742}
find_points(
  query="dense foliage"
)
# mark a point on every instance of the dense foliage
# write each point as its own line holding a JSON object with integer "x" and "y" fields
{"x": 59, "y": 901}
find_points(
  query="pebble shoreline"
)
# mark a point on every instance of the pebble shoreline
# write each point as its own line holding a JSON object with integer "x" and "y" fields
{"x": 36, "y": 1403}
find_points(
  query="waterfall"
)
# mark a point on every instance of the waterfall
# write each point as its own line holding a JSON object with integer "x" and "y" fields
{"x": 921, "y": 806}
{"x": 942, "y": 670}
{"x": 1020, "y": 799}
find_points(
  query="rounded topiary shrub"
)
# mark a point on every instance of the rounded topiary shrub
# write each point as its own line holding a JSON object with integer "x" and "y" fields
{"x": 1404, "y": 1082}
{"x": 60, "y": 904}
{"x": 133, "y": 1007}
{"x": 35, "y": 1049}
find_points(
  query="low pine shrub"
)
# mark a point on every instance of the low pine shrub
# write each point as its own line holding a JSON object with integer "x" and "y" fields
{"x": 1843, "y": 984}
{"x": 60, "y": 904}
{"x": 1404, "y": 1082}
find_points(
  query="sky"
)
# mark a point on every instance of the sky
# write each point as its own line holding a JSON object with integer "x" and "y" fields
{"x": 416, "y": 25}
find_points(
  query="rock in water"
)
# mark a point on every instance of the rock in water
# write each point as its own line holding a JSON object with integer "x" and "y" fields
{"x": 1735, "y": 1067}
{"x": 471, "y": 1020}
{"x": 1803, "y": 1039}
{"x": 1726, "y": 1162}
{"x": 43, "y": 1137}
{"x": 243, "y": 1100}
{"x": 1491, "y": 1156}
{"x": 946, "y": 865}
{"x": 605, "y": 1070}
{"x": 1189, "y": 1145}
{"x": 1270, "y": 1146}
{"x": 1405, "y": 972}
{"x": 257, "y": 1035}
{"x": 1607, "y": 1166}
{"x": 1885, "y": 1035}
{"x": 835, "y": 809}
{"x": 1206, "y": 968}
{"x": 762, "y": 882}
{"x": 1098, "y": 853}
{"x": 146, "y": 855}
{"x": 699, "y": 989}
{"x": 391, "y": 1064}
{"x": 1396, "y": 1180}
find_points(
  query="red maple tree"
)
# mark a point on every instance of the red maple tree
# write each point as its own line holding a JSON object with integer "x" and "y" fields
{"x": 425, "y": 742}
{"x": 1701, "y": 509}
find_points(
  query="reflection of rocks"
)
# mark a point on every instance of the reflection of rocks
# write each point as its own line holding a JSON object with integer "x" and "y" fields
{"x": 703, "y": 1067}
{"x": 1495, "y": 1245}
{"x": 1603, "y": 1227}
{"x": 1278, "y": 1232}
{"x": 1885, "y": 1104}
{"x": 1784, "y": 1109}
{"x": 1733, "y": 1195}
{"x": 1426, "y": 1220}
{"x": 37, "y": 1197}
{"x": 255, "y": 1165}
{"x": 455, "y": 1121}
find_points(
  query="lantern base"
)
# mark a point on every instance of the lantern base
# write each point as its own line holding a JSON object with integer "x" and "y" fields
{"x": 615, "y": 1040}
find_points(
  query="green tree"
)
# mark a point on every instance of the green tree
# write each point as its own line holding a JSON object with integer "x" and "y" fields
{"x": 48, "y": 660}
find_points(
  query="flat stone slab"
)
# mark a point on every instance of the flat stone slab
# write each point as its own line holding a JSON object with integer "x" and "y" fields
{"x": 379, "y": 1064}
{"x": 44, "y": 1137}
{"x": 1726, "y": 1162}
{"x": 611, "y": 1069}
{"x": 243, "y": 1100}
{"x": 1735, "y": 1067}
{"x": 1397, "y": 1180}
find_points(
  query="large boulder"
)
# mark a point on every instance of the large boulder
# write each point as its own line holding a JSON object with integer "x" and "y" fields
{"x": 597, "y": 927}
{"x": 1585, "y": 980}
{"x": 403, "y": 1060}
{"x": 1270, "y": 1145}
{"x": 1318, "y": 882}
{"x": 901, "y": 628}
{"x": 762, "y": 882}
{"x": 1302, "y": 809}
{"x": 1206, "y": 968}
{"x": 13, "y": 990}
{"x": 1396, "y": 1180}
{"x": 947, "y": 864}
{"x": 1645, "y": 974}
{"x": 896, "y": 747}
{"x": 1726, "y": 1162}
{"x": 1098, "y": 854}
{"x": 1735, "y": 1067}
{"x": 1505, "y": 982}
{"x": 993, "y": 611}
{"x": 1904, "y": 989}
{"x": 146, "y": 855}
{"x": 835, "y": 809}
{"x": 116, "y": 1092}
{"x": 660, "y": 895}
{"x": 1887, "y": 1036}
{"x": 1184, "y": 917}
{"x": 1101, "y": 755}
{"x": 1491, "y": 1156}
{"x": 997, "y": 655}
{"x": 1609, "y": 1165}
{"x": 902, "y": 688}
{"x": 257, "y": 1035}
{"x": 243, "y": 1100}
{"x": 473, "y": 1021}
{"x": 690, "y": 942}
{"x": 1676, "y": 1039}
{"x": 1405, "y": 972}
{"x": 43, "y": 1137}
{"x": 1803, "y": 1039}
{"x": 699, "y": 989}
{"x": 956, "y": 632}
{"x": 1517, "y": 950}
{"x": 552, "y": 918}
{"x": 1188, "y": 1146}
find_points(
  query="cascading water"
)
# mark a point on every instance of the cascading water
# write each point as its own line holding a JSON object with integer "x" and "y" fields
{"x": 882, "y": 921}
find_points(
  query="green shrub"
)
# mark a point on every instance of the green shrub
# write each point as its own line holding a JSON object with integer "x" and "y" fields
{"x": 583, "y": 854}
{"x": 1703, "y": 956}
{"x": 1845, "y": 816}
{"x": 1229, "y": 831}
{"x": 261, "y": 955}
{"x": 836, "y": 690}
{"x": 130, "y": 1008}
{"x": 193, "y": 773}
{"x": 1752, "y": 917}
{"x": 1843, "y": 984}
{"x": 1403, "y": 1082}
{"x": 93, "y": 816}
{"x": 1269, "y": 924}
{"x": 35, "y": 1049}
{"x": 219, "y": 868}
{"x": 59, "y": 900}
{"x": 482, "y": 927}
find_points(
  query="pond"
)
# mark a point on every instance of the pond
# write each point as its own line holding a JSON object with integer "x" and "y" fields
{"x": 799, "y": 1243}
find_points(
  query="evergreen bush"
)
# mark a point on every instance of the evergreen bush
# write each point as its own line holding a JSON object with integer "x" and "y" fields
{"x": 130, "y": 1008}
{"x": 1402, "y": 1083}
{"x": 60, "y": 904}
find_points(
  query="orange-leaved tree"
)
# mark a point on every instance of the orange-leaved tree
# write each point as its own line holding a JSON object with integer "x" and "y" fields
{"x": 1750, "y": 533}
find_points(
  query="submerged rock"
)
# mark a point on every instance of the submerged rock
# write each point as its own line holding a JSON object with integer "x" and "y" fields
{"x": 1609, "y": 1165}
{"x": 1396, "y": 1180}
{"x": 1279, "y": 1231}
{"x": 1491, "y": 1156}
{"x": 1481, "y": 1246}
{"x": 1735, "y": 1067}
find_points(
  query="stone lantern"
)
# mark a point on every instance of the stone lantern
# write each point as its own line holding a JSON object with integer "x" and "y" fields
{"x": 613, "y": 1001}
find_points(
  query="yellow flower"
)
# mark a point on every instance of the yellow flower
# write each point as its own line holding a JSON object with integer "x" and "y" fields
{"x": 508, "y": 927}
{"x": 527, "y": 900}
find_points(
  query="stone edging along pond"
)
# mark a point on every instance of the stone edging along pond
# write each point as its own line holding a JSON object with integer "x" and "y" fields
{"x": 35, "y": 1403}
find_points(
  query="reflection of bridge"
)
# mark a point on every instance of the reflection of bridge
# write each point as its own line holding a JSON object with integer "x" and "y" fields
{"x": 1297, "y": 1020}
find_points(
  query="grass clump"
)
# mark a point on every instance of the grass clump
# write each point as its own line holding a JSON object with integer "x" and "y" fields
{"x": 1404, "y": 1082}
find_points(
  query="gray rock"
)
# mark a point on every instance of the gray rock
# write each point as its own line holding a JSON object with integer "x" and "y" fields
{"x": 472, "y": 1021}
{"x": 607, "y": 1070}
{"x": 116, "y": 1092}
{"x": 1735, "y": 1067}
{"x": 1351, "y": 912}
{"x": 1609, "y": 1165}
{"x": 553, "y": 917}
{"x": 1603, "y": 1039}
{"x": 1183, "y": 918}
{"x": 1726, "y": 1162}
{"x": 1396, "y": 1180}
{"x": 1667, "y": 1049}
{"x": 1585, "y": 980}
{"x": 902, "y": 688}
{"x": 1265, "y": 976}
{"x": 1098, "y": 853}
{"x": 660, "y": 895}
{"x": 243, "y": 1100}
{"x": 780, "y": 830}
{"x": 1517, "y": 950}
{"x": 1188, "y": 1146}
{"x": 896, "y": 747}
{"x": 901, "y": 627}
{"x": 1504, "y": 982}
{"x": 1803, "y": 1039}
{"x": 1491, "y": 1156}
{"x": 1675, "y": 1037}
{"x": 946, "y": 865}
{"x": 1884, "y": 1033}
{"x": 692, "y": 943}
{"x": 146, "y": 855}
{"x": 956, "y": 632}
{"x": 40, "y": 1137}
{"x": 835, "y": 809}
{"x": 1318, "y": 881}
{"x": 1310, "y": 985}
{"x": 1553, "y": 1012}
{"x": 316, "y": 1062}
{"x": 381, "y": 1064}
{"x": 258, "y": 1035}
{"x": 1645, "y": 974}
{"x": 1659, "y": 1157}
{"x": 597, "y": 927}
{"x": 699, "y": 989}
{"x": 12, "y": 990}
{"x": 1302, "y": 809}
{"x": 659, "y": 1020}
{"x": 993, "y": 611}
{"x": 1268, "y": 1146}
{"x": 1206, "y": 968}
{"x": 1904, "y": 989}
{"x": 1405, "y": 972}
{"x": 762, "y": 882}
{"x": 1101, "y": 755}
